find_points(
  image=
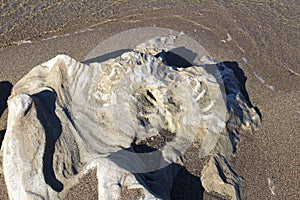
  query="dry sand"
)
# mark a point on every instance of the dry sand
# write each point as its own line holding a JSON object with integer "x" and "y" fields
{"x": 264, "y": 41}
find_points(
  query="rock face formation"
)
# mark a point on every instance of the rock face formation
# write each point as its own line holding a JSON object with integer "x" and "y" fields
{"x": 128, "y": 117}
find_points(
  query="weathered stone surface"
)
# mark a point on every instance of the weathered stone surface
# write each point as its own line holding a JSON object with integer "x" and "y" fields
{"x": 125, "y": 117}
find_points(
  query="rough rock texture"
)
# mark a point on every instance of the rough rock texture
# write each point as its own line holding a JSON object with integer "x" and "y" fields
{"x": 130, "y": 118}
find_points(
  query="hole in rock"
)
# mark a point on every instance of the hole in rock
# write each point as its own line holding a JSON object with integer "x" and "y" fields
{"x": 150, "y": 95}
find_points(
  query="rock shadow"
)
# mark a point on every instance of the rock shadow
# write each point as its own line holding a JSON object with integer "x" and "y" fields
{"x": 45, "y": 106}
{"x": 2, "y": 133}
{"x": 170, "y": 182}
{"x": 107, "y": 56}
{"x": 186, "y": 186}
{"x": 5, "y": 90}
{"x": 242, "y": 79}
{"x": 179, "y": 57}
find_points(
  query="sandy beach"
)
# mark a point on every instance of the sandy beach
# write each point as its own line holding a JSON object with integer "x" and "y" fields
{"x": 262, "y": 37}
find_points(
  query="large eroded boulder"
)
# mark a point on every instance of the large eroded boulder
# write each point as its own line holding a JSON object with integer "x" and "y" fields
{"x": 128, "y": 117}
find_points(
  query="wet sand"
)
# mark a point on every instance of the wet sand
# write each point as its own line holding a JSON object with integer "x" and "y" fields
{"x": 262, "y": 37}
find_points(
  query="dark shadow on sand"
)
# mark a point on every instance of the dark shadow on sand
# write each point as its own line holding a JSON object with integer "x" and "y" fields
{"x": 172, "y": 58}
{"x": 178, "y": 57}
{"x": 107, "y": 56}
{"x": 5, "y": 90}
{"x": 170, "y": 182}
{"x": 2, "y": 133}
{"x": 45, "y": 106}
{"x": 240, "y": 75}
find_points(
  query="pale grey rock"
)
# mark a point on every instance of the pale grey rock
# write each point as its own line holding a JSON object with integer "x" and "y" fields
{"x": 217, "y": 177}
{"x": 66, "y": 118}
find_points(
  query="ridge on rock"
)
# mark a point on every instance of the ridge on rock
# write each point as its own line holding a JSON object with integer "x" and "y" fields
{"x": 125, "y": 117}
